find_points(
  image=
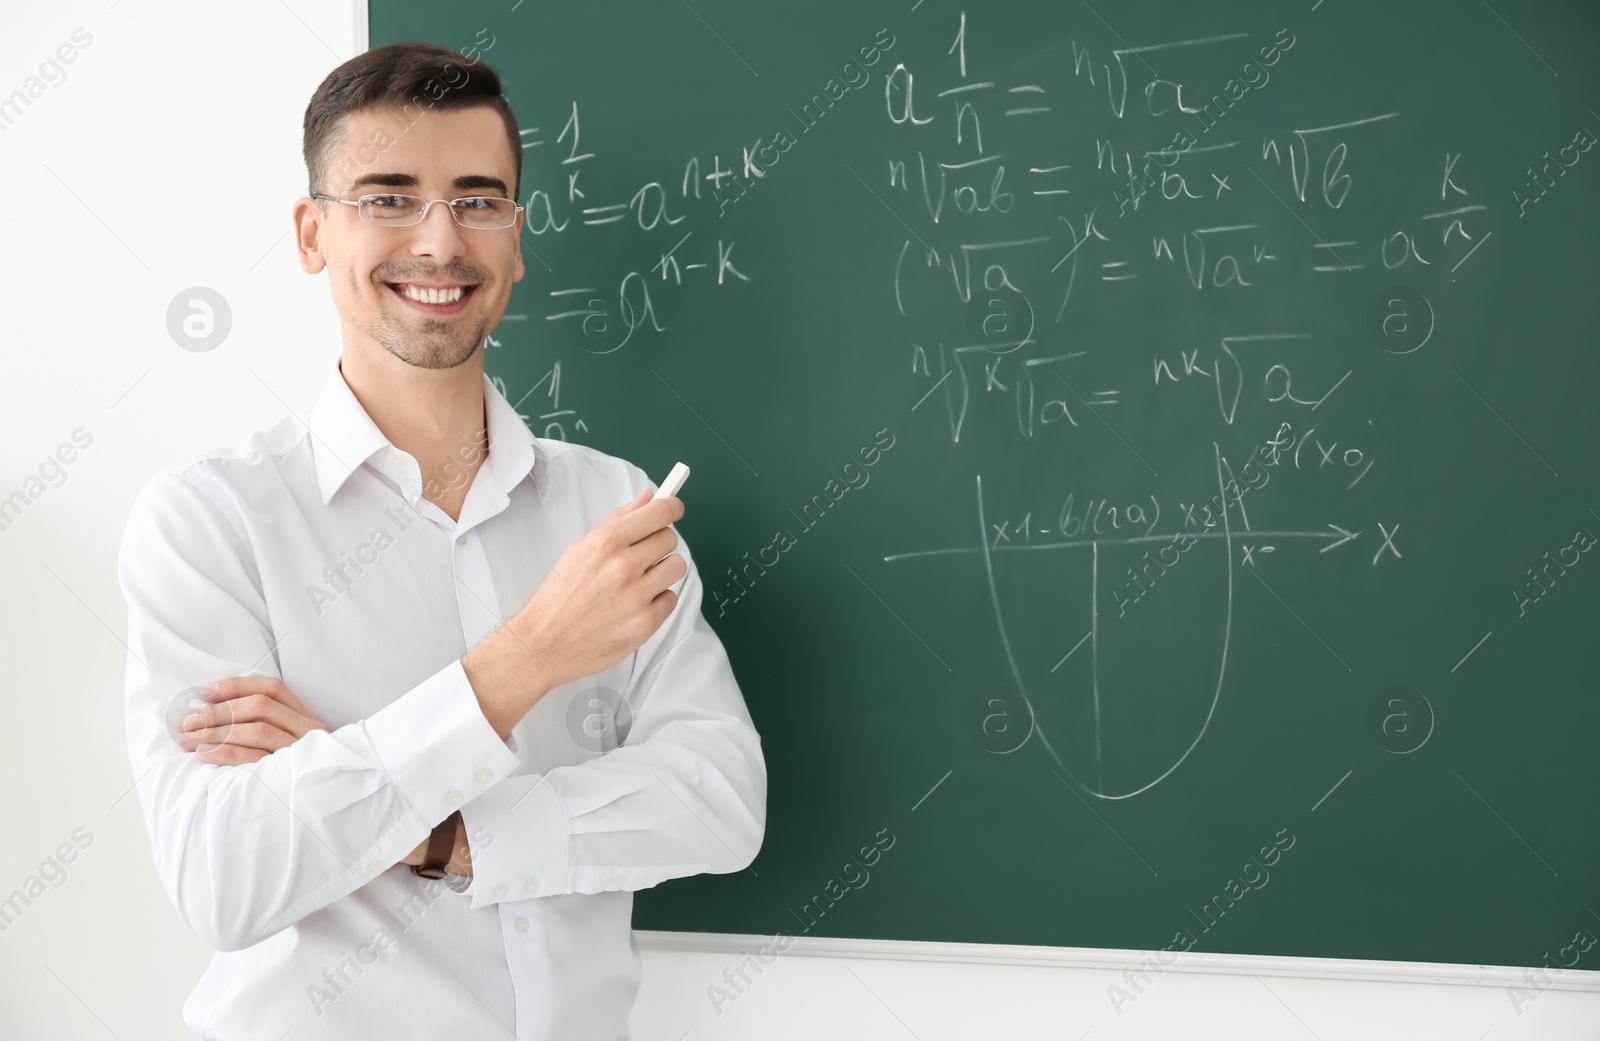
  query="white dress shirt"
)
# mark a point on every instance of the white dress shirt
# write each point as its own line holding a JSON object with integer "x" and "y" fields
{"x": 310, "y": 554}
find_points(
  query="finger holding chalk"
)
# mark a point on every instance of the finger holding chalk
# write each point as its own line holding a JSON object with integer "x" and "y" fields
{"x": 674, "y": 481}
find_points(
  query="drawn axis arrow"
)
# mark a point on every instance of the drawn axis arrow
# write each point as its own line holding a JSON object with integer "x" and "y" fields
{"x": 1348, "y": 536}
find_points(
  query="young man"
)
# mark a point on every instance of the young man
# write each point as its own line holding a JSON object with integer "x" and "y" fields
{"x": 416, "y": 700}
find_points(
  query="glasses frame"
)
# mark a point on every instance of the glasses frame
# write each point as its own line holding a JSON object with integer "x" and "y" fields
{"x": 427, "y": 204}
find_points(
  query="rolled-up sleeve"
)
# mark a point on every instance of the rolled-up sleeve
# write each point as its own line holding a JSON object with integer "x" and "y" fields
{"x": 684, "y": 793}
{"x": 245, "y": 851}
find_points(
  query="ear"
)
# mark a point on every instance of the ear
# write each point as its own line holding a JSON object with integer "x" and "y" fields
{"x": 307, "y": 220}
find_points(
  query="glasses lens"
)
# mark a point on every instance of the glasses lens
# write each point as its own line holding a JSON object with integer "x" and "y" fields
{"x": 390, "y": 209}
{"x": 484, "y": 211}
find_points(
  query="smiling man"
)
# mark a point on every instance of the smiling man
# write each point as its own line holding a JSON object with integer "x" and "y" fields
{"x": 416, "y": 700}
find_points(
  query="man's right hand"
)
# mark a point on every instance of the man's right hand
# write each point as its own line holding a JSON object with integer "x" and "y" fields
{"x": 606, "y": 595}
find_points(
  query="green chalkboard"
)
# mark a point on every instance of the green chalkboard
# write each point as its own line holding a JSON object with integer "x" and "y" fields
{"x": 1144, "y": 453}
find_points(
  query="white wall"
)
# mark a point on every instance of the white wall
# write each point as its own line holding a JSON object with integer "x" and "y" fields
{"x": 168, "y": 158}
{"x": 863, "y": 989}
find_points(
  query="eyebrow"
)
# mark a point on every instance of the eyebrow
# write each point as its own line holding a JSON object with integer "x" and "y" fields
{"x": 405, "y": 180}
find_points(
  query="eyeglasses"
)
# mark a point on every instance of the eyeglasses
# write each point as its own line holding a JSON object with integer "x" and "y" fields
{"x": 401, "y": 211}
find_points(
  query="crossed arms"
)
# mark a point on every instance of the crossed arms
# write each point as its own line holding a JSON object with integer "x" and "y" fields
{"x": 247, "y": 844}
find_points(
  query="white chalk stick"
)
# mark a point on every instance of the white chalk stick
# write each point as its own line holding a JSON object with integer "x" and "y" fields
{"x": 674, "y": 481}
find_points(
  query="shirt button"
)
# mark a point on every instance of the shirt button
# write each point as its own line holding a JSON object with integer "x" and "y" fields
{"x": 619, "y": 880}
{"x": 501, "y": 890}
{"x": 453, "y": 797}
{"x": 531, "y": 886}
{"x": 461, "y": 540}
{"x": 522, "y": 925}
{"x": 374, "y": 867}
{"x": 485, "y": 775}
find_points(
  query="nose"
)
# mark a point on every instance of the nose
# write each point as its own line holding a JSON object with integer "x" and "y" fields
{"x": 437, "y": 234}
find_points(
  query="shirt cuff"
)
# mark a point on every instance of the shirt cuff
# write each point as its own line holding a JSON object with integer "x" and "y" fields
{"x": 437, "y": 747}
{"x": 519, "y": 839}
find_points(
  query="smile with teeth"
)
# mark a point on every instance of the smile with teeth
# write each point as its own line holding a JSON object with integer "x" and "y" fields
{"x": 424, "y": 295}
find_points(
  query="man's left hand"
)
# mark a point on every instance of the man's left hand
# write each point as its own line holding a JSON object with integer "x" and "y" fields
{"x": 246, "y": 718}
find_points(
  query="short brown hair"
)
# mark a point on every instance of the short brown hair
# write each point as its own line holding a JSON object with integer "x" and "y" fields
{"x": 414, "y": 77}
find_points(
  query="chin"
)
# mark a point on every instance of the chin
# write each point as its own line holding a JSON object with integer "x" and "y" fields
{"x": 427, "y": 353}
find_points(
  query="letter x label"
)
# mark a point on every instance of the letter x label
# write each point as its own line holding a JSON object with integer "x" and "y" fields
{"x": 1388, "y": 543}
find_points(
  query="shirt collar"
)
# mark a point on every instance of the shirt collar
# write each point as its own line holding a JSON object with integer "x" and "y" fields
{"x": 343, "y": 437}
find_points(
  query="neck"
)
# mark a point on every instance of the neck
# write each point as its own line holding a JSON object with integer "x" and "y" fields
{"x": 437, "y": 416}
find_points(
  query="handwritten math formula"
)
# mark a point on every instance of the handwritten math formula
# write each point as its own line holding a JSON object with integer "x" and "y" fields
{"x": 1038, "y": 198}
